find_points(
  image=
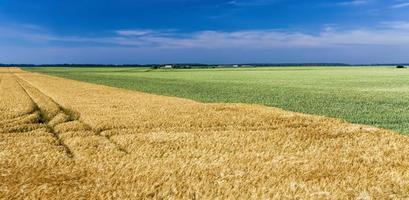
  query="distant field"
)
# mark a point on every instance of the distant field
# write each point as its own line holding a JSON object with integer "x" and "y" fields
{"x": 366, "y": 95}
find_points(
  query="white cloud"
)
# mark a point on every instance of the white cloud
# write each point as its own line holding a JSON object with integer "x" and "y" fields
{"x": 400, "y": 5}
{"x": 388, "y": 42}
{"x": 26, "y": 31}
{"x": 399, "y": 25}
{"x": 352, "y": 3}
{"x": 387, "y": 33}
{"x": 139, "y": 32}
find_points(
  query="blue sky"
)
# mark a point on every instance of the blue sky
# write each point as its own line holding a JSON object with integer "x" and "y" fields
{"x": 213, "y": 31}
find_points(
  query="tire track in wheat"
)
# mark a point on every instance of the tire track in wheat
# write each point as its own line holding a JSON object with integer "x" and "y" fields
{"x": 51, "y": 118}
{"x": 50, "y": 129}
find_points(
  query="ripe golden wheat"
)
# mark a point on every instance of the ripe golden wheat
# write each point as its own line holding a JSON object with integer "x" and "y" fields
{"x": 64, "y": 139}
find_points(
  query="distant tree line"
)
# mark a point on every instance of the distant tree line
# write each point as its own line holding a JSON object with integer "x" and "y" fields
{"x": 199, "y": 65}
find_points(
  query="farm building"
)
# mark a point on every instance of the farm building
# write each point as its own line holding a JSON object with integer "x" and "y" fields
{"x": 228, "y": 66}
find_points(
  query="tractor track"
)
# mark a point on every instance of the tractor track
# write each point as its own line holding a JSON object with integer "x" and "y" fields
{"x": 42, "y": 120}
{"x": 73, "y": 116}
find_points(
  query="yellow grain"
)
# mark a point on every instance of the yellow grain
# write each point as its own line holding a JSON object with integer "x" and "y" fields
{"x": 132, "y": 145}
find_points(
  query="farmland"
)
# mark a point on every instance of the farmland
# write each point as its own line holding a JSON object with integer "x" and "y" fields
{"x": 65, "y": 139}
{"x": 375, "y": 96}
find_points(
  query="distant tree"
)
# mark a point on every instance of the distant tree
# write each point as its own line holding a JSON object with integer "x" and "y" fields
{"x": 400, "y": 66}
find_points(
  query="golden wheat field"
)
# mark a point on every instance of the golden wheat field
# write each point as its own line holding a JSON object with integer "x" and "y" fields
{"x": 65, "y": 139}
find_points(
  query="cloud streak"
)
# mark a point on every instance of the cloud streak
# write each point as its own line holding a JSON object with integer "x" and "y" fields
{"x": 388, "y": 33}
{"x": 388, "y": 41}
{"x": 352, "y": 3}
{"x": 400, "y": 5}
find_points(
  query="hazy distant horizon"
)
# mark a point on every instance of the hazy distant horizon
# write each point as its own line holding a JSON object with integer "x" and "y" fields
{"x": 209, "y": 64}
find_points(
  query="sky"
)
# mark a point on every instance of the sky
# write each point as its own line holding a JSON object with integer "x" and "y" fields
{"x": 204, "y": 31}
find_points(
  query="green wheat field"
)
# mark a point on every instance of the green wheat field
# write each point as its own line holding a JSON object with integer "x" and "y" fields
{"x": 376, "y": 96}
